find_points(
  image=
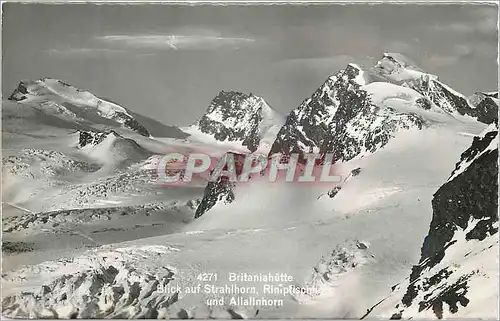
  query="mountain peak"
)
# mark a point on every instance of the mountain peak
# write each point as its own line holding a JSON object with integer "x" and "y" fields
{"x": 109, "y": 147}
{"x": 233, "y": 99}
{"x": 93, "y": 138}
{"x": 238, "y": 118}
{"x": 397, "y": 68}
{"x": 355, "y": 66}
{"x": 74, "y": 101}
{"x": 401, "y": 60}
{"x": 356, "y": 73}
{"x": 231, "y": 93}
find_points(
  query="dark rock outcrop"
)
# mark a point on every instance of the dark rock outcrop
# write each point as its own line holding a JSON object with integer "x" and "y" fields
{"x": 439, "y": 94}
{"x": 91, "y": 137}
{"x": 364, "y": 128}
{"x": 19, "y": 93}
{"x": 117, "y": 149}
{"x": 131, "y": 123}
{"x": 468, "y": 201}
{"x": 307, "y": 126}
{"x": 238, "y": 117}
{"x": 340, "y": 118}
{"x": 485, "y": 107}
{"x": 221, "y": 190}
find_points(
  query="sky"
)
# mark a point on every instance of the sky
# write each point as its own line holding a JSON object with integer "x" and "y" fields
{"x": 169, "y": 61}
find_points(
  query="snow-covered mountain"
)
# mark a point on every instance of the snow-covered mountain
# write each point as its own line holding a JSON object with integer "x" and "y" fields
{"x": 397, "y": 69}
{"x": 71, "y": 104}
{"x": 239, "y": 119}
{"x": 357, "y": 111}
{"x": 62, "y": 161}
{"x": 109, "y": 147}
{"x": 128, "y": 245}
{"x": 348, "y": 116}
{"x": 458, "y": 268}
{"x": 354, "y": 113}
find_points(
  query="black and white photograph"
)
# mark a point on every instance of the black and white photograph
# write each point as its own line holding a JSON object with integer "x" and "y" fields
{"x": 249, "y": 160}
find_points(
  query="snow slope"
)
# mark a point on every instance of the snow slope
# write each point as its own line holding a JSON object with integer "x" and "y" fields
{"x": 82, "y": 109}
{"x": 351, "y": 114}
{"x": 47, "y": 165}
{"x": 457, "y": 275}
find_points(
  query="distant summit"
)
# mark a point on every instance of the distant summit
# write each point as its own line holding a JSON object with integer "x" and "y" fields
{"x": 239, "y": 118}
{"x": 400, "y": 70}
{"x": 73, "y": 101}
{"x": 109, "y": 147}
{"x": 358, "y": 110}
{"x": 83, "y": 109}
{"x": 355, "y": 112}
{"x": 348, "y": 116}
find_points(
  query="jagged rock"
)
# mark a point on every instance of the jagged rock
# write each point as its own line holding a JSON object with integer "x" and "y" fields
{"x": 238, "y": 117}
{"x": 19, "y": 93}
{"x": 91, "y": 137}
{"x": 465, "y": 210}
{"x": 355, "y": 172}
{"x": 362, "y": 245}
{"x": 485, "y": 107}
{"x": 441, "y": 95}
{"x": 307, "y": 126}
{"x": 334, "y": 191}
{"x": 130, "y": 123}
{"x": 343, "y": 118}
{"x": 94, "y": 138}
{"x": 117, "y": 287}
{"x": 340, "y": 118}
{"x": 220, "y": 190}
{"x": 364, "y": 128}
